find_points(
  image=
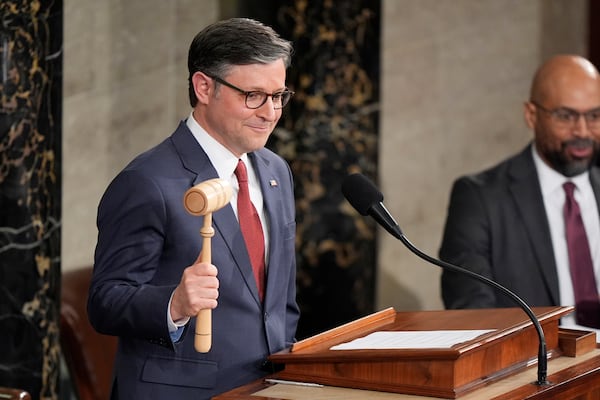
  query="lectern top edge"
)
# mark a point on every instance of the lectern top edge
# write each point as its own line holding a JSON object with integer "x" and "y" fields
{"x": 364, "y": 324}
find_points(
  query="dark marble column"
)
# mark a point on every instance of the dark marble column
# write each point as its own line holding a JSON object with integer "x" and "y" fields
{"x": 328, "y": 131}
{"x": 30, "y": 142}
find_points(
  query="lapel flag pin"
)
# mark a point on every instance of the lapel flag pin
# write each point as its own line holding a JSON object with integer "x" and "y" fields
{"x": 273, "y": 182}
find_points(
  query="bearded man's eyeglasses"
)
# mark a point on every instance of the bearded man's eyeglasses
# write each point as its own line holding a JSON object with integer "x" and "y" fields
{"x": 568, "y": 118}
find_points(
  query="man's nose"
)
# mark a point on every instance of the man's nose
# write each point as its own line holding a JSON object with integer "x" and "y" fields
{"x": 267, "y": 110}
{"x": 581, "y": 128}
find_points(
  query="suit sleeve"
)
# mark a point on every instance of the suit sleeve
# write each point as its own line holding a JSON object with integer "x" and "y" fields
{"x": 122, "y": 299}
{"x": 466, "y": 243}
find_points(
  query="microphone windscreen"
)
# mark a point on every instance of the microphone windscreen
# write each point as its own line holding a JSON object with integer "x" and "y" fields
{"x": 361, "y": 193}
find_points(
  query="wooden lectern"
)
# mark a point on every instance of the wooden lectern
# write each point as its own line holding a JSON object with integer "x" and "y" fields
{"x": 461, "y": 370}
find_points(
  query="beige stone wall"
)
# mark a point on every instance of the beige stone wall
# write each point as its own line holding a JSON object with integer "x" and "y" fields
{"x": 125, "y": 89}
{"x": 454, "y": 76}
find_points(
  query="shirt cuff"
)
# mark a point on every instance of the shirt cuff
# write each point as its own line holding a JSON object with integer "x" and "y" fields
{"x": 175, "y": 326}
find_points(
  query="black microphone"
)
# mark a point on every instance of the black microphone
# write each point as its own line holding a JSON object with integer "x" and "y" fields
{"x": 364, "y": 196}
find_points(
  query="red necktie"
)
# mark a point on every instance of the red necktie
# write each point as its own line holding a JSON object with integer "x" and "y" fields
{"x": 587, "y": 303}
{"x": 251, "y": 228}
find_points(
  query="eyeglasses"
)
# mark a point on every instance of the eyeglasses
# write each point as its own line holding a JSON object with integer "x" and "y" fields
{"x": 568, "y": 118}
{"x": 255, "y": 98}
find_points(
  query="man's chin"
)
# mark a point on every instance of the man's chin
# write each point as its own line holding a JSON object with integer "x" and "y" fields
{"x": 576, "y": 167}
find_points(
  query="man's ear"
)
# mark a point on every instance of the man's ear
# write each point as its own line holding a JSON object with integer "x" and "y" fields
{"x": 530, "y": 114}
{"x": 203, "y": 86}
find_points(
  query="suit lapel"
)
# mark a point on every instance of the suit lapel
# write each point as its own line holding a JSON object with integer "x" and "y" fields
{"x": 272, "y": 202}
{"x": 595, "y": 181}
{"x": 527, "y": 197}
{"x": 228, "y": 226}
{"x": 192, "y": 155}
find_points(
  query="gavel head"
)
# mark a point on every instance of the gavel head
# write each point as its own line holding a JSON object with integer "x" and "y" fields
{"x": 207, "y": 196}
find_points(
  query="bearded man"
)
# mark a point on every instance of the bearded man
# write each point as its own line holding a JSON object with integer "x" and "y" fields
{"x": 508, "y": 223}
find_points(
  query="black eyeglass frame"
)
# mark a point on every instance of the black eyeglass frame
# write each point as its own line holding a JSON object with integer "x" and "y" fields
{"x": 591, "y": 116}
{"x": 285, "y": 94}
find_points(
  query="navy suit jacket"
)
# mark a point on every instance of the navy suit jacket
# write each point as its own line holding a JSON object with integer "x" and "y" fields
{"x": 146, "y": 239}
{"x": 497, "y": 227}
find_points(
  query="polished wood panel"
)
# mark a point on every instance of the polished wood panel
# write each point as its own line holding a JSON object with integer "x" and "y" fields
{"x": 573, "y": 374}
{"x": 440, "y": 372}
{"x": 571, "y": 379}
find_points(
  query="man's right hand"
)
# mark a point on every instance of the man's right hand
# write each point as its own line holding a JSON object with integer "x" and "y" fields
{"x": 197, "y": 290}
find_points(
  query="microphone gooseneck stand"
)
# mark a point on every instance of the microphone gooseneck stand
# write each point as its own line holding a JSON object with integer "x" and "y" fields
{"x": 542, "y": 352}
{"x": 362, "y": 194}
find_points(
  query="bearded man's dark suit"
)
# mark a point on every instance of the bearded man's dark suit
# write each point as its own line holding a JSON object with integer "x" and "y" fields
{"x": 147, "y": 238}
{"x": 497, "y": 227}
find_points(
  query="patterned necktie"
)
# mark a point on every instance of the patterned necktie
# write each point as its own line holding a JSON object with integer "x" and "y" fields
{"x": 587, "y": 303}
{"x": 251, "y": 228}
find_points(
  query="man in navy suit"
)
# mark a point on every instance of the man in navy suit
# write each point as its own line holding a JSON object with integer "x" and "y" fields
{"x": 506, "y": 223}
{"x": 149, "y": 282}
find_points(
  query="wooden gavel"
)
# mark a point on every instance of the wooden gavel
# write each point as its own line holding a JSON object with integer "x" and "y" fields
{"x": 203, "y": 199}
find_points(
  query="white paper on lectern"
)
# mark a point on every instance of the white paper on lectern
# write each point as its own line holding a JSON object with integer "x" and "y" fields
{"x": 411, "y": 340}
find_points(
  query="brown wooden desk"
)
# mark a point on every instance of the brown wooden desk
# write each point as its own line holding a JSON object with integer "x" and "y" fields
{"x": 572, "y": 378}
{"x": 501, "y": 365}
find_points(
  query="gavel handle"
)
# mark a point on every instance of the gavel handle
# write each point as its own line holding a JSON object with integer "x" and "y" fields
{"x": 203, "y": 338}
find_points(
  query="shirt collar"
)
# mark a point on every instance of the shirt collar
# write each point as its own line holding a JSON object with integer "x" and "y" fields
{"x": 221, "y": 158}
